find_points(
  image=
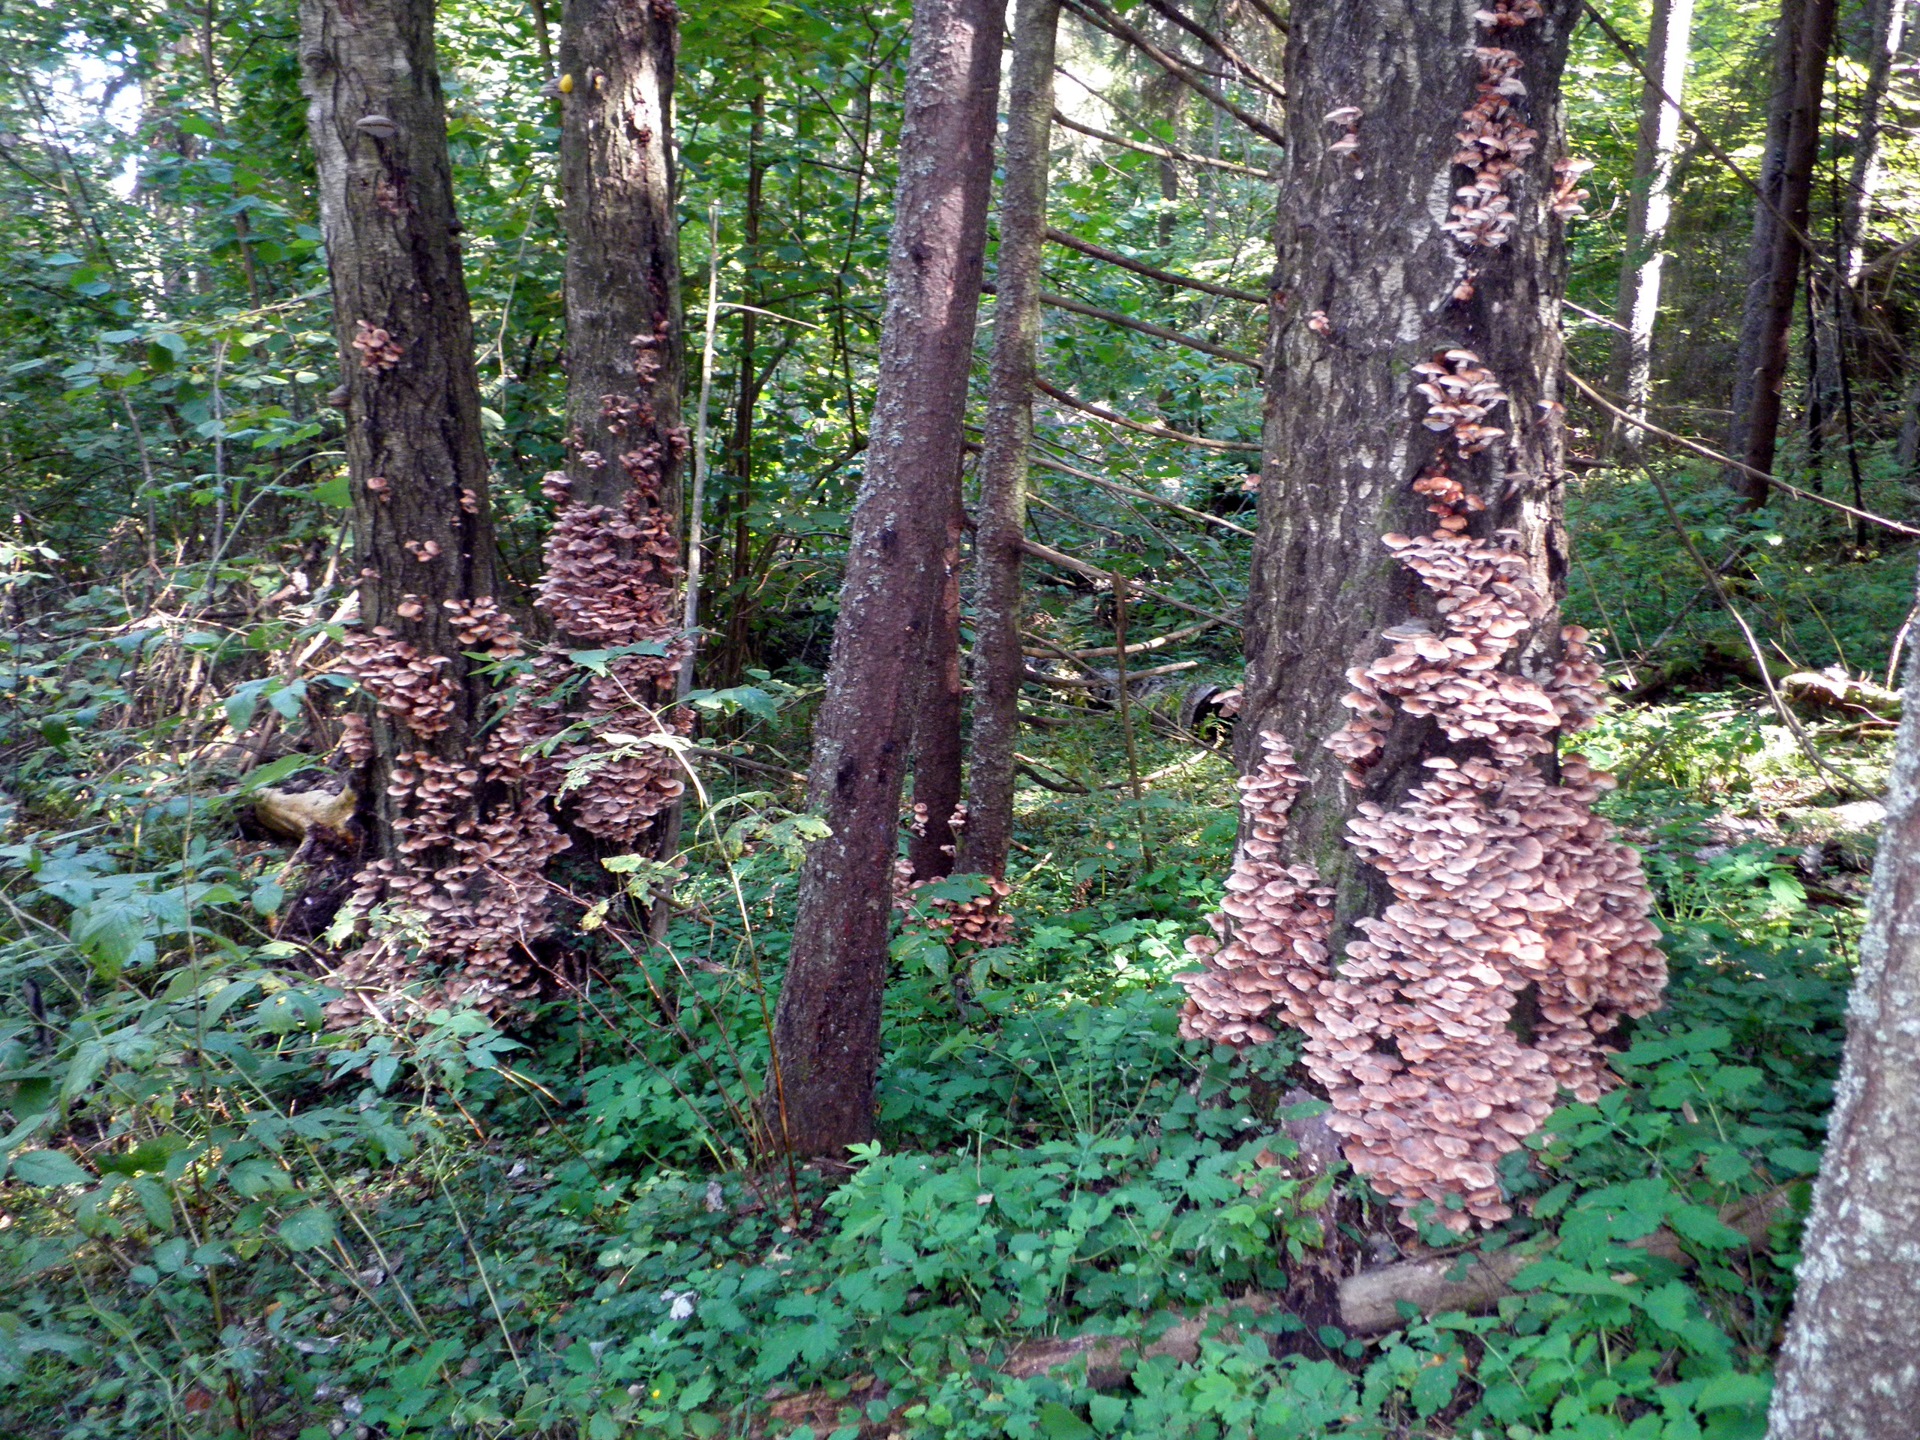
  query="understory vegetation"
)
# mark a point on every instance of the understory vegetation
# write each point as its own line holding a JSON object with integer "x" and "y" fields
{"x": 239, "y": 1202}
{"x": 226, "y": 1216}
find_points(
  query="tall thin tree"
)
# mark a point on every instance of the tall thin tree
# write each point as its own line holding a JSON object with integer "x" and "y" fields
{"x": 1780, "y": 223}
{"x": 1649, "y": 209}
{"x": 827, "y": 1026}
{"x": 1002, "y": 518}
{"x": 416, "y": 460}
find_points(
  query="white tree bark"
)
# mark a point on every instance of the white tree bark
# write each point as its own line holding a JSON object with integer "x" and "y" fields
{"x": 1850, "y": 1368}
{"x": 1650, "y": 209}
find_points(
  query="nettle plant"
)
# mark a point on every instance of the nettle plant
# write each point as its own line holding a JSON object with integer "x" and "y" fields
{"x": 1504, "y": 881}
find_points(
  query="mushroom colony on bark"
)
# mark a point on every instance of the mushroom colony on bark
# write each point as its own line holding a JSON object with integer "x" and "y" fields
{"x": 1503, "y": 880}
{"x": 466, "y": 893}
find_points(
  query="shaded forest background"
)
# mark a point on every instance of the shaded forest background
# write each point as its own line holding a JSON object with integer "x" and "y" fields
{"x": 233, "y": 1213}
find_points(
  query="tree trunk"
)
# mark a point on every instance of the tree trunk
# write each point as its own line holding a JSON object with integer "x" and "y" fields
{"x": 1774, "y": 257}
{"x": 1002, "y": 519}
{"x": 1361, "y": 260}
{"x": 1649, "y": 209}
{"x": 1886, "y": 30}
{"x": 416, "y": 462}
{"x": 612, "y": 576}
{"x": 1851, "y": 1362}
{"x": 827, "y": 1027}
{"x": 624, "y": 363}
{"x": 933, "y": 840}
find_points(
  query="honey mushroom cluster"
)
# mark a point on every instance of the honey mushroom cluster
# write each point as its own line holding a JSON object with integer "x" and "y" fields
{"x": 410, "y": 688}
{"x": 378, "y": 349}
{"x": 1505, "y": 882}
{"x": 1269, "y": 947}
{"x": 611, "y": 582}
{"x": 1493, "y": 139}
{"x": 981, "y": 921}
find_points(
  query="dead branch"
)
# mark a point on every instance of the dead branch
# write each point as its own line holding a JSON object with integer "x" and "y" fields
{"x": 1078, "y": 682}
{"x": 1093, "y": 572}
{"x": 1147, "y": 327}
{"x": 1249, "y": 72}
{"x": 1158, "y": 642}
{"x": 1140, "y": 267}
{"x": 1041, "y": 462}
{"x": 1162, "y": 152}
{"x": 1103, "y": 18}
{"x": 1160, "y": 432}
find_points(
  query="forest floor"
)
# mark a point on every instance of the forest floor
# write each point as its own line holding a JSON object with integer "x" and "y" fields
{"x": 226, "y": 1218}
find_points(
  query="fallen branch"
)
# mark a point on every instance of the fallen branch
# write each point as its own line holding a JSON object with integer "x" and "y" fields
{"x": 1147, "y": 327}
{"x": 1094, "y": 572}
{"x": 1162, "y": 152}
{"x": 1059, "y": 467}
{"x": 1110, "y": 1358}
{"x": 1161, "y": 432}
{"x": 1102, "y": 18}
{"x": 1841, "y": 692}
{"x": 1158, "y": 642}
{"x": 1152, "y": 272}
{"x": 1470, "y": 1281}
{"x": 1708, "y": 453}
{"x": 1077, "y": 682}
{"x": 1249, "y": 72}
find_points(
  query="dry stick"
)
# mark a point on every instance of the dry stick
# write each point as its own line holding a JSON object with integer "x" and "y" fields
{"x": 1102, "y": 18}
{"x": 696, "y": 504}
{"x": 1197, "y": 516}
{"x": 1801, "y": 238}
{"x": 1787, "y": 717}
{"x": 1708, "y": 453}
{"x": 1070, "y": 682}
{"x": 1274, "y": 17}
{"x": 1249, "y": 72}
{"x": 1094, "y": 572}
{"x": 1140, "y": 267}
{"x": 1159, "y": 642}
{"x": 1162, "y": 152}
{"x": 1159, "y": 432}
{"x": 1126, "y": 715}
{"x": 1159, "y": 332}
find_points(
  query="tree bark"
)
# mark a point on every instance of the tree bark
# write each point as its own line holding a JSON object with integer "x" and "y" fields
{"x": 1649, "y": 209}
{"x": 624, "y": 363}
{"x": 937, "y": 751}
{"x": 1774, "y": 256}
{"x": 416, "y": 462}
{"x": 827, "y": 1025}
{"x": 1886, "y": 31}
{"x": 1006, "y": 437}
{"x": 1364, "y": 279}
{"x": 1851, "y": 1362}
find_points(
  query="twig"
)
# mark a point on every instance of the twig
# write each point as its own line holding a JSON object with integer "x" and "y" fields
{"x": 1162, "y": 152}
{"x": 1201, "y": 517}
{"x": 1152, "y": 272}
{"x": 1160, "y": 432}
{"x": 1708, "y": 453}
{"x": 1147, "y": 327}
{"x": 1094, "y": 572}
{"x": 1249, "y": 72}
{"x": 1099, "y": 16}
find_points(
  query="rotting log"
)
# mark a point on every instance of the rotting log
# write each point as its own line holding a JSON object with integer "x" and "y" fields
{"x": 1471, "y": 1280}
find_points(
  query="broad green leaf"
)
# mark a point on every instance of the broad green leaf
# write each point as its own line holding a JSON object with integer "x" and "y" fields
{"x": 48, "y": 1167}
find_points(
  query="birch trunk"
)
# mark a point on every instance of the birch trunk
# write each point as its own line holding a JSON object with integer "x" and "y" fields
{"x": 1009, "y": 431}
{"x": 1365, "y": 274}
{"x": 827, "y": 1026}
{"x": 1850, "y": 1366}
{"x": 1649, "y": 209}
{"x": 423, "y": 534}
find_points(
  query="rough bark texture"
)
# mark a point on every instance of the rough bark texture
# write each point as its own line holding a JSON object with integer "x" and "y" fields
{"x": 1649, "y": 208}
{"x": 416, "y": 461}
{"x": 827, "y": 1026}
{"x": 1366, "y": 277}
{"x": 1851, "y": 1363}
{"x": 623, "y": 269}
{"x": 1774, "y": 257}
{"x": 936, "y": 726}
{"x": 1008, "y": 433}
{"x": 1886, "y": 30}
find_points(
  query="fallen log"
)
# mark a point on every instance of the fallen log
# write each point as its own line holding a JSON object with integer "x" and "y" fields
{"x": 1835, "y": 690}
{"x": 1471, "y": 1281}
